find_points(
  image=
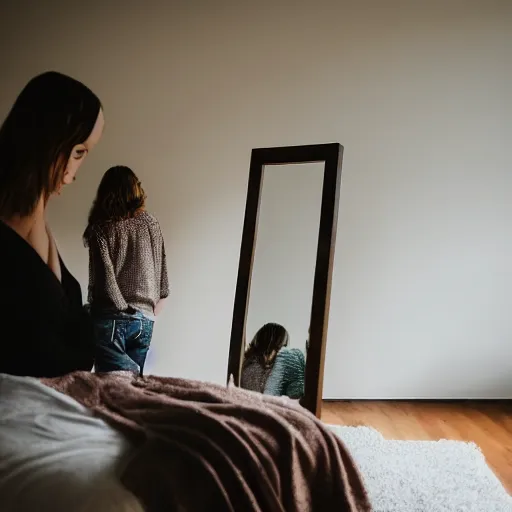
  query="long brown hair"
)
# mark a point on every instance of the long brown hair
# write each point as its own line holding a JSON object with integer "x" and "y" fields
{"x": 265, "y": 345}
{"x": 52, "y": 114}
{"x": 120, "y": 196}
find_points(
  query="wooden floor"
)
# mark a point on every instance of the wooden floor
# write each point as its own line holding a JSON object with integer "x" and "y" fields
{"x": 489, "y": 425}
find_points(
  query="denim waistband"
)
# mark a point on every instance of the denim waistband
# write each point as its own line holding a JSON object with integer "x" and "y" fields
{"x": 132, "y": 314}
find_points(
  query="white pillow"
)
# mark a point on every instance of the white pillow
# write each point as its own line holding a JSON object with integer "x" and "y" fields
{"x": 55, "y": 455}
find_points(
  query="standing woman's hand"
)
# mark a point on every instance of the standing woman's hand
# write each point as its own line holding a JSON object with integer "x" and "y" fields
{"x": 159, "y": 306}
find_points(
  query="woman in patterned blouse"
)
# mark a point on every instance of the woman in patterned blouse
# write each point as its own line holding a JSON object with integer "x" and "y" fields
{"x": 272, "y": 368}
{"x": 127, "y": 272}
{"x": 261, "y": 354}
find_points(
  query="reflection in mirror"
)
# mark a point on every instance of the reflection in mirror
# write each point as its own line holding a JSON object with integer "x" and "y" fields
{"x": 279, "y": 307}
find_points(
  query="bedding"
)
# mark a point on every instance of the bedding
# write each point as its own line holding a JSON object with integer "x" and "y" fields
{"x": 55, "y": 455}
{"x": 207, "y": 447}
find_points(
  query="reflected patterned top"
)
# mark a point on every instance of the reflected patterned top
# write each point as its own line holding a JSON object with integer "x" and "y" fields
{"x": 254, "y": 376}
{"x": 127, "y": 265}
{"x": 288, "y": 374}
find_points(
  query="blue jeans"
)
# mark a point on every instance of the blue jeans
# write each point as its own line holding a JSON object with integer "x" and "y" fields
{"x": 122, "y": 341}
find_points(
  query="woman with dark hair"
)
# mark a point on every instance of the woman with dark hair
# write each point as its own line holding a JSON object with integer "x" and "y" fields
{"x": 127, "y": 272}
{"x": 260, "y": 356}
{"x": 54, "y": 123}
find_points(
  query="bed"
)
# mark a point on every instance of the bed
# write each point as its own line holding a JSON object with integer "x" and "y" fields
{"x": 123, "y": 443}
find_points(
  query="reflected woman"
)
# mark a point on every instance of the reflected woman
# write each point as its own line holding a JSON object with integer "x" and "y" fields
{"x": 261, "y": 354}
{"x": 53, "y": 125}
{"x": 128, "y": 280}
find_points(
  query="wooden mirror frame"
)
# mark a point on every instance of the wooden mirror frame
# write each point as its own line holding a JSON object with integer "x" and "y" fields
{"x": 332, "y": 155}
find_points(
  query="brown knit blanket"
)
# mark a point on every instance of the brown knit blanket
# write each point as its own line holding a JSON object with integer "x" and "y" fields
{"x": 203, "y": 447}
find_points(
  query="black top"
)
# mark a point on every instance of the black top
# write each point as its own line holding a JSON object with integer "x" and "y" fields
{"x": 45, "y": 331}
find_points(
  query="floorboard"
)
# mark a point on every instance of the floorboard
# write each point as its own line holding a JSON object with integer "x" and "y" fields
{"x": 488, "y": 424}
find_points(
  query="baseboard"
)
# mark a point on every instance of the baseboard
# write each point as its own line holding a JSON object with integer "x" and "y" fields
{"x": 423, "y": 400}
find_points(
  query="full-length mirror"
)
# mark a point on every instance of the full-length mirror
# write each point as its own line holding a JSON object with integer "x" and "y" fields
{"x": 279, "y": 307}
{"x": 282, "y": 299}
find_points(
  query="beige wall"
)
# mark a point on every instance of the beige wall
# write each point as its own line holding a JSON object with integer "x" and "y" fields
{"x": 419, "y": 93}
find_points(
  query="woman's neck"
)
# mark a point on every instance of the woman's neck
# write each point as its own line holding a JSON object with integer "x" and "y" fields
{"x": 34, "y": 230}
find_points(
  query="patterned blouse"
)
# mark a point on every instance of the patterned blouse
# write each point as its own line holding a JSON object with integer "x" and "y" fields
{"x": 254, "y": 375}
{"x": 127, "y": 265}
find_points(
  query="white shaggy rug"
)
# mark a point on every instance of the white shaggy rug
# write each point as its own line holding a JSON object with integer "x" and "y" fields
{"x": 424, "y": 476}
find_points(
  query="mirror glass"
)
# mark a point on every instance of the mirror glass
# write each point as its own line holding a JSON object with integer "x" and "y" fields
{"x": 281, "y": 289}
